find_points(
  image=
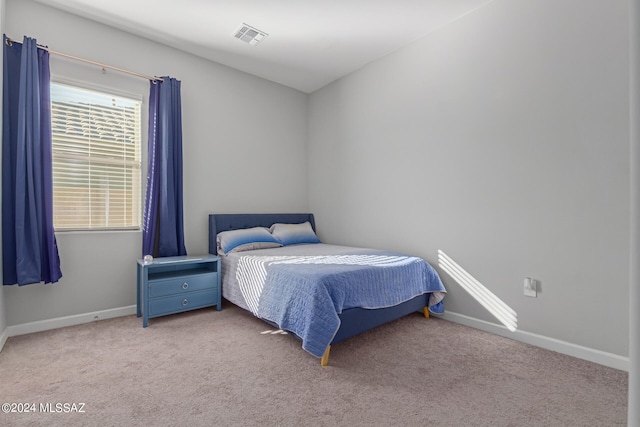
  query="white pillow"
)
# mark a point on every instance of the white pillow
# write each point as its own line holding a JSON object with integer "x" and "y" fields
{"x": 245, "y": 239}
{"x": 293, "y": 234}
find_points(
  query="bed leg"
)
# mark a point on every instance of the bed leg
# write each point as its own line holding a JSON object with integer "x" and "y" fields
{"x": 426, "y": 312}
{"x": 325, "y": 357}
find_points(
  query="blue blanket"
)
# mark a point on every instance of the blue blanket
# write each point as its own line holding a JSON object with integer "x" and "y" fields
{"x": 304, "y": 295}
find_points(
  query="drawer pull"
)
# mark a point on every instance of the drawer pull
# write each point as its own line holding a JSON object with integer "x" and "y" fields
{"x": 185, "y": 302}
{"x": 185, "y": 285}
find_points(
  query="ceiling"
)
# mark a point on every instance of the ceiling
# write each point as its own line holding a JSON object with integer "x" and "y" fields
{"x": 309, "y": 44}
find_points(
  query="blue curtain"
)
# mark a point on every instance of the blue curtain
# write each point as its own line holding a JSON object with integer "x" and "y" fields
{"x": 29, "y": 248}
{"x": 163, "y": 223}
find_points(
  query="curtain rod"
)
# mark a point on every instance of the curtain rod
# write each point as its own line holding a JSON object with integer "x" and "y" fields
{"x": 88, "y": 61}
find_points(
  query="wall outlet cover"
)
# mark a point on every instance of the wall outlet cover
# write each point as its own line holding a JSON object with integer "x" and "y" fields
{"x": 530, "y": 287}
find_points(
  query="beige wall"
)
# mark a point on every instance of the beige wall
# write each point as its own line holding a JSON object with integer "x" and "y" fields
{"x": 501, "y": 139}
{"x": 244, "y": 149}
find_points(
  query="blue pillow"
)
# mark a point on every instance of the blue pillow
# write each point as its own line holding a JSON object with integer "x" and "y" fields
{"x": 293, "y": 234}
{"x": 245, "y": 239}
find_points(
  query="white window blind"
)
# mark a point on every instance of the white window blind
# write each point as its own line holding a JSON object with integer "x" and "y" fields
{"x": 96, "y": 159}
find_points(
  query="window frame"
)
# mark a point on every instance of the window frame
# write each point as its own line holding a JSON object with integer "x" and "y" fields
{"x": 111, "y": 91}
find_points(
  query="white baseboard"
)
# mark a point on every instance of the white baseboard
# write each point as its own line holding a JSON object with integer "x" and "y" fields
{"x": 4, "y": 336}
{"x": 61, "y": 322}
{"x": 586, "y": 353}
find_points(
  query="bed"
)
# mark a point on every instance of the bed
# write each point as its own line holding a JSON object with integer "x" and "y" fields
{"x": 274, "y": 266}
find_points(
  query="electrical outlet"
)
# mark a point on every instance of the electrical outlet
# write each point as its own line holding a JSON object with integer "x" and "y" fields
{"x": 530, "y": 287}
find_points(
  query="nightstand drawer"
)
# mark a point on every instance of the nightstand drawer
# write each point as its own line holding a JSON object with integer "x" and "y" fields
{"x": 182, "y": 283}
{"x": 187, "y": 301}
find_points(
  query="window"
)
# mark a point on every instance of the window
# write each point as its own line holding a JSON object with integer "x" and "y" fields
{"x": 96, "y": 159}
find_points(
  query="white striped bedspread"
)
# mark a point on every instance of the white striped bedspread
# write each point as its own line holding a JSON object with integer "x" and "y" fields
{"x": 305, "y": 294}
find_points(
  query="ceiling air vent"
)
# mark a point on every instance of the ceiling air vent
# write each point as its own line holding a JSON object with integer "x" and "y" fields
{"x": 249, "y": 34}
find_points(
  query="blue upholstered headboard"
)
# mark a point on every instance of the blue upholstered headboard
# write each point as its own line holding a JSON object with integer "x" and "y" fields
{"x": 224, "y": 222}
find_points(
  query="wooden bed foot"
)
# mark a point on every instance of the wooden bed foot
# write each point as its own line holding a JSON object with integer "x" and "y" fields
{"x": 325, "y": 357}
{"x": 426, "y": 312}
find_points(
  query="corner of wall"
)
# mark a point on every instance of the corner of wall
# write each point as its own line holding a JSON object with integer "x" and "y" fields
{"x": 4, "y": 334}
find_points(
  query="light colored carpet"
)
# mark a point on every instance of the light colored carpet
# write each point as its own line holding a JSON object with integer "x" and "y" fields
{"x": 209, "y": 368}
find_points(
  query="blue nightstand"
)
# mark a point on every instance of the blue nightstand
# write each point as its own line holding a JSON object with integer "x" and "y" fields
{"x": 174, "y": 284}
